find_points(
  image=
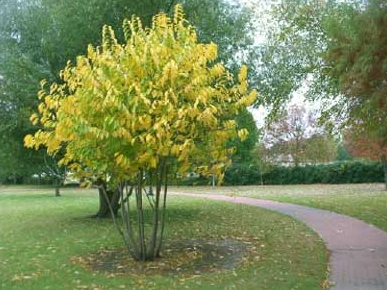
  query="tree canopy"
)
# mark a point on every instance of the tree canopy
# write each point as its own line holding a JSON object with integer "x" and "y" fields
{"x": 122, "y": 108}
{"x": 37, "y": 38}
{"x": 157, "y": 103}
{"x": 356, "y": 56}
{"x": 297, "y": 137}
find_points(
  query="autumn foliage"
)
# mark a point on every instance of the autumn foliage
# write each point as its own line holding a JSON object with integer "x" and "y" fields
{"x": 125, "y": 107}
{"x": 157, "y": 103}
{"x": 365, "y": 147}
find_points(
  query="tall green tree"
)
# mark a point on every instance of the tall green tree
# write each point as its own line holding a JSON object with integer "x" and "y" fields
{"x": 291, "y": 56}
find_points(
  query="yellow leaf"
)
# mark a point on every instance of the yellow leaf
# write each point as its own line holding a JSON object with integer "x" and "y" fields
{"x": 29, "y": 141}
{"x": 242, "y": 74}
{"x": 242, "y": 134}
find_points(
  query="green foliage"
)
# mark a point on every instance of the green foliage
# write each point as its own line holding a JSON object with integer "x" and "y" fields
{"x": 291, "y": 56}
{"x": 342, "y": 153}
{"x": 244, "y": 149}
{"x": 319, "y": 148}
{"x": 243, "y": 174}
{"x": 339, "y": 172}
{"x": 334, "y": 173}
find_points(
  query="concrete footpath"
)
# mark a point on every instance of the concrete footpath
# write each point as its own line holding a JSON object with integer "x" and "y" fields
{"x": 358, "y": 259}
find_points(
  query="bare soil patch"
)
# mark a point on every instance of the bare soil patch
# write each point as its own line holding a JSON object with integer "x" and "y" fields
{"x": 185, "y": 257}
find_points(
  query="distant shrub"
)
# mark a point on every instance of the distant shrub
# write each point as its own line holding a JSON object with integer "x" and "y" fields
{"x": 242, "y": 174}
{"x": 334, "y": 173}
{"x": 249, "y": 174}
{"x": 338, "y": 172}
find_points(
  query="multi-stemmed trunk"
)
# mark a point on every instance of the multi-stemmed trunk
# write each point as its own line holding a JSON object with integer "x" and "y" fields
{"x": 143, "y": 243}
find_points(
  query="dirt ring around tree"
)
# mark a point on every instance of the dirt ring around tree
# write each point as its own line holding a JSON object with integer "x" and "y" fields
{"x": 186, "y": 257}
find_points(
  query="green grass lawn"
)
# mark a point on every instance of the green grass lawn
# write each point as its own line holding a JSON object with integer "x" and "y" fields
{"x": 41, "y": 234}
{"x": 367, "y": 202}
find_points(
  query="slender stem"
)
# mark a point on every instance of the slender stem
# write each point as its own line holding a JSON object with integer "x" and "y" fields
{"x": 113, "y": 215}
{"x": 150, "y": 191}
{"x": 128, "y": 194}
{"x": 153, "y": 238}
{"x": 151, "y": 202}
{"x": 165, "y": 173}
{"x": 140, "y": 217}
{"x": 129, "y": 231}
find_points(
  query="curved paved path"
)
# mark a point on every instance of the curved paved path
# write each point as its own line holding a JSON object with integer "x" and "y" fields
{"x": 358, "y": 259}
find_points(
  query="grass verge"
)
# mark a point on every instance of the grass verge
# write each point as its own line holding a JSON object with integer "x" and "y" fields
{"x": 40, "y": 234}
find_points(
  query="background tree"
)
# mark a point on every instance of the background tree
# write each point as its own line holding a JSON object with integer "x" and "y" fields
{"x": 297, "y": 137}
{"x": 320, "y": 148}
{"x": 358, "y": 60}
{"x": 263, "y": 159}
{"x": 290, "y": 57}
{"x": 124, "y": 111}
{"x": 37, "y": 38}
{"x": 54, "y": 171}
{"x": 285, "y": 136}
{"x": 335, "y": 51}
{"x": 244, "y": 149}
{"x": 356, "y": 57}
{"x": 243, "y": 160}
{"x": 359, "y": 145}
{"x": 342, "y": 152}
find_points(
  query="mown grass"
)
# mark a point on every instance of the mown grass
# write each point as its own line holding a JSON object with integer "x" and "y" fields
{"x": 367, "y": 202}
{"x": 39, "y": 234}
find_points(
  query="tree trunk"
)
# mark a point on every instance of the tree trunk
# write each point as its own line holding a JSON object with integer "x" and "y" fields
{"x": 114, "y": 198}
{"x": 57, "y": 187}
{"x": 141, "y": 246}
{"x": 57, "y": 191}
{"x": 384, "y": 163}
{"x": 150, "y": 191}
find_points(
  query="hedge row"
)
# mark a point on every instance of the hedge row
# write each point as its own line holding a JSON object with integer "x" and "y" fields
{"x": 339, "y": 172}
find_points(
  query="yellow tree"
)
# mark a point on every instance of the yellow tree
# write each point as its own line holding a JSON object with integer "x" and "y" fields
{"x": 157, "y": 103}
